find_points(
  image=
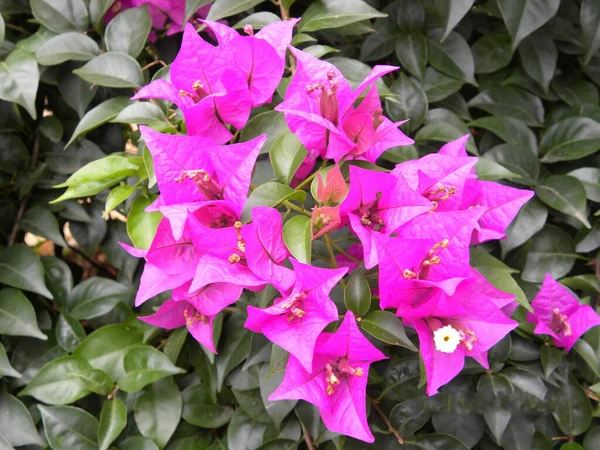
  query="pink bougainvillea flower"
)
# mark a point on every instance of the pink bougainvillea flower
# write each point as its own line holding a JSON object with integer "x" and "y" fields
{"x": 338, "y": 380}
{"x": 174, "y": 314}
{"x": 210, "y": 92}
{"x": 296, "y": 321}
{"x": 192, "y": 172}
{"x": 265, "y": 250}
{"x": 210, "y": 299}
{"x": 558, "y": 313}
{"x": 445, "y": 341}
{"x": 379, "y": 203}
{"x": 324, "y": 219}
{"x": 331, "y": 190}
{"x": 319, "y": 108}
{"x": 431, "y": 253}
{"x": 501, "y": 204}
{"x": 259, "y": 57}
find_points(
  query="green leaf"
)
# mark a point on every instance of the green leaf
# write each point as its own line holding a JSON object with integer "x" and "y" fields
{"x": 570, "y": 139}
{"x": 105, "y": 348}
{"x": 287, "y": 153}
{"x": 96, "y": 381}
{"x": 318, "y": 51}
{"x": 442, "y": 132}
{"x": 324, "y": 14}
{"x": 271, "y": 194}
{"x": 236, "y": 348}
{"x": 16, "y": 425}
{"x": 144, "y": 365}
{"x": 58, "y": 277}
{"x": 550, "y": 357}
{"x": 98, "y": 8}
{"x": 439, "y": 86}
{"x": 112, "y": 69}
{"x": 357, "y": 294}
{"x": 435, "y": 441}
{"x": 452, "y": 57}
{"x": 243, "y": 432}
{"x": 76, "y": 93}
{"x": 117, "y": 196}
{"x": 141, "y": 226}
{"x": 128, "y": 31}
{"x": 57, "y": 382}
{"x": 386, "y": 327}
{"x": 575, "y": 92}
{"x": 14, "y": 156}
{"x": 409, "y": 416}
{"x": 412, "y": 51}
{"x": 592, "y": 439}
{"x": 408, "y": 101}
{"x": 297, "y": 237}
{"x": 590, "y": 178}
{"x": 99, "y": 115}
{"x": 65, "y": 47}
{"x": 523, "y": 17}
{"x": 200, "y": 410}
{"x": 406, "y": 14}
{"x": 510, "y": 101}
{"x": 526, "y": 382}
{"x": 41, "y": 222}
{"x": 565, "y": 194}
{"x": 509, "y": 130}
{"x": 277, "y": 410}
{"x": 487, "y": 169}
{"x": 452, "y": 11}
{"x": 278, "y": 360}
{"x": 225, "y": 8}
{"x": 19, "y": 79}
{"x": 539, "y": 56}
{"x": 572, "y": 410}
{"x": 61, "y": 16}
{"x": 113, "y": 419}
{"x": 69, "y": 332}
{"x": 6, "y": 370}
{"x": 142, "y": 113}
{"x": 52, "y": 128}
{"x": 491, "y": 52}
{"x": 552, "y": 250}
{"x": 95, "y": 297}
{"x": 518, "y": 159}
{"x": 586, "y": 282}
{"x": 271, "y": 123}
{"x": 69, "y": 428}
{"x": 586, "y": 351}
{"x": 531, "y": 219}
{"x": 590, "y": 24}
{"x": 17, "y": 316}
{"x": 2, "y": 30}
{"x": 158, "y": 411}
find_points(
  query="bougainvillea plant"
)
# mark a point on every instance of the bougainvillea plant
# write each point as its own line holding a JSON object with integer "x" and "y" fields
{"x": 277, "y": 250}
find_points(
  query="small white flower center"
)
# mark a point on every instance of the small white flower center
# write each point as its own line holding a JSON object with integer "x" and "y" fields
{"x": 446, "y": 339}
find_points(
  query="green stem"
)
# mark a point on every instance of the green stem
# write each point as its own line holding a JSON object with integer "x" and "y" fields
{"x": 293, "y": 207}
{"x": 343, "y": 252}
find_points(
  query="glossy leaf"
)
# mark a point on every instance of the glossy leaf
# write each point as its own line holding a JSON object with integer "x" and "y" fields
{"x": 552, "y": 251}
{"x": 113, "y": 419}
{"x": 67, "y": 46}
{"x": 68, "y": 427}
{"x": 128, "y": 31}
{"x": 19, "y": 78}
{"x": 112, "y": 69}
{"x": 522, "y": 17}
{"x": 16, "y": 425}
{"x": 201, "y": 411}
{"x": 226, "y": 8}
{"x": 570, "y": 139}
{"x": 95, "y": 296}
{"x": 17, "y": 316}
{"x": 323, "y": 14}
{"x": 386, "y": 327}
{"x": 452, "y": 56}
{"x": 145, "y": 365}
{"x": 287, "y": 153}
{"x": 141, "y": 226}
{"x": 412, "y": 51}
{"x": 297, "y": 237}
{"x": 357, "y": 294}
{"x": 271, "y": 194}
{"x": 61, "y": 16}
{"x": 491, "y": 52}
{"x": 566, "y": 194}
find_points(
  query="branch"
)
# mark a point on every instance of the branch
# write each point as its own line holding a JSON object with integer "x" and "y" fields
{"x": 386, "y": 420}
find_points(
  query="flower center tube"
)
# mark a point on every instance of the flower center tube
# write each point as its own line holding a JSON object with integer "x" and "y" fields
{"x": 192, "y": 316}
{"x": 197, "y": 94}
{"x": 370, "y": 214}
{"x": 205, "y": 183}
{"x": 335, "y": 370}
{"x": 236, "y": 258}
{"x": 328, "y": 101}
{"x": 560, "y": 323}
{"x": 438, "y": 195}
{"x": 294, "y": 306}
{"x": 431, "y": 259}
{"x": 448, "y": 338}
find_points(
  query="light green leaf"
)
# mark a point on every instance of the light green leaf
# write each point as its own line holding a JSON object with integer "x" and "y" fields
{"x": 287, "y": 153}
{"x": 61, "y": 16}
{"x": 566, "y": 194}
{"x": 141, "y": 226}
{"x": 386, "y": 327}
{"x": 69, "y": 332}
{"x": 19, "y": 79}
{"x": 145, "y": 365}
{"x": 318, "y": 51}
{"x": 99, "y": 115}
{"x": 225, "y": 8}
{"x": 142, "y": 113}
{"x": 112, "y": 69}
{"x": 6, "y": 370}
{"x": 489, "y": 170}
{"x": 113, "y": 419}
{"x": 297, "y": 237}
{"x": 590, "y": 178}
{"x": 95, "y": 297}
{"x": 69, "y": 428}
{"x": 67, "y": 46}
{"x": 523, "y": 17}
{"x": 117, "y": 196}
{"x": 16, "y": 425}
{"x": 98, "y": 8}
{"x": 20, "y": 267}
{"x": 128, "y": 31}
{"x": 323, "y": 14}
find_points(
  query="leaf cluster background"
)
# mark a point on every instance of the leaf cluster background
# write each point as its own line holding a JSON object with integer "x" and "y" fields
{"x": 522, "y": 76}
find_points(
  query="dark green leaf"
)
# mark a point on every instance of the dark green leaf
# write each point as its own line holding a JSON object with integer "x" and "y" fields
{"x": 550, "y": 357}
{"x": 323, "y": 14}
{"x": 452, "y": 57}
{"x": 590, "y": 178}
{"x": 17, "y": 316}
{"x": 158, "y": 411}
{"x": 523, "y": 17}
{"x": 52, "y": 128}
{"x": 517, "y": 159}
{"x": 277, "y": 410}
{"x": 357, "y": 294}
{"x": 566, "y": 194}
{"x": 96, "y": 381}
{"x": 76, "y": 93}
{"x": 409, "y": 416}
{"x": 278, "y": 361}
{"x": 442, "y": 132}
{"x": 128, "y": 31}
{"x": 69, "y": 332}
{"x": 145, "y": 365}
{"x": 519, "y": 433}
{"x": 58, "y": 278}
{"x": 590, "y": 23}
{"x": 508, "y": 129}
{"x": 526, "y": 382}
{"x": 386, "y": 327}
{"x": 112, "y": 69}
{"x": 243, "y": 433}
{"x": 452, "y": 11}
{"x": 438, "y": 86}
{"x": 585, "y": 350}
{"x": 14, "y": 156}
{"x": 570, "y": 139}
{"x": 6, "y": 370}
{"x": 538, "y": 57}
{"x": 113, "y": 420}
{"x": 489, "y": 170}
{"x": 271, "y": 123}
{"x": 69, "y": 428}
{"x": 199, "y": 409}
{"x": 235, "y": 349}
{"x": 297, "y": 237}
{"x": 510, "y": 101}
{"x": 19, "y": 79}
{"x": 61, "y": 16}
{"x": 99, "y": 115}
{"x": 225, "y": 8}
{"x": 575, "y": 92}
{"x": 142, "y": 113}
{"x": 412, "y": 51}
{"x": 67, "y": 46}
{"x": 287, "y": 153}
{"x": 141, "y": 226}
{"x": 572, "y": 410}
{"x": 318, "y": 51}
{"x": 95, "y": 296}
{"x": 408, "y": 101}
{"x": 491, "y": 52}
{"x": 592, "y": 439}
{"x": 16, "y": 425}
{"x": 41, "y": 222}
{"x": 531, "y": 219}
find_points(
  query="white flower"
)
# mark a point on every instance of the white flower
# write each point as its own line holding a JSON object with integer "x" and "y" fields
{"x": 446, "y": 339}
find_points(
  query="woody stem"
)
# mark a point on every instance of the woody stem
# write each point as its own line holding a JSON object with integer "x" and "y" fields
{"x": 307, "y": 438}
{"x": 386, "y": 420}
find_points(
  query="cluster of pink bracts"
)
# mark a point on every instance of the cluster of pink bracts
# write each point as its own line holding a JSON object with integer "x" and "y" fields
{"x": 416, "y": 224}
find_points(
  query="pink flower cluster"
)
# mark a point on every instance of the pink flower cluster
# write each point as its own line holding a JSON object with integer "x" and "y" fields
{"x": 416, "y": 223}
